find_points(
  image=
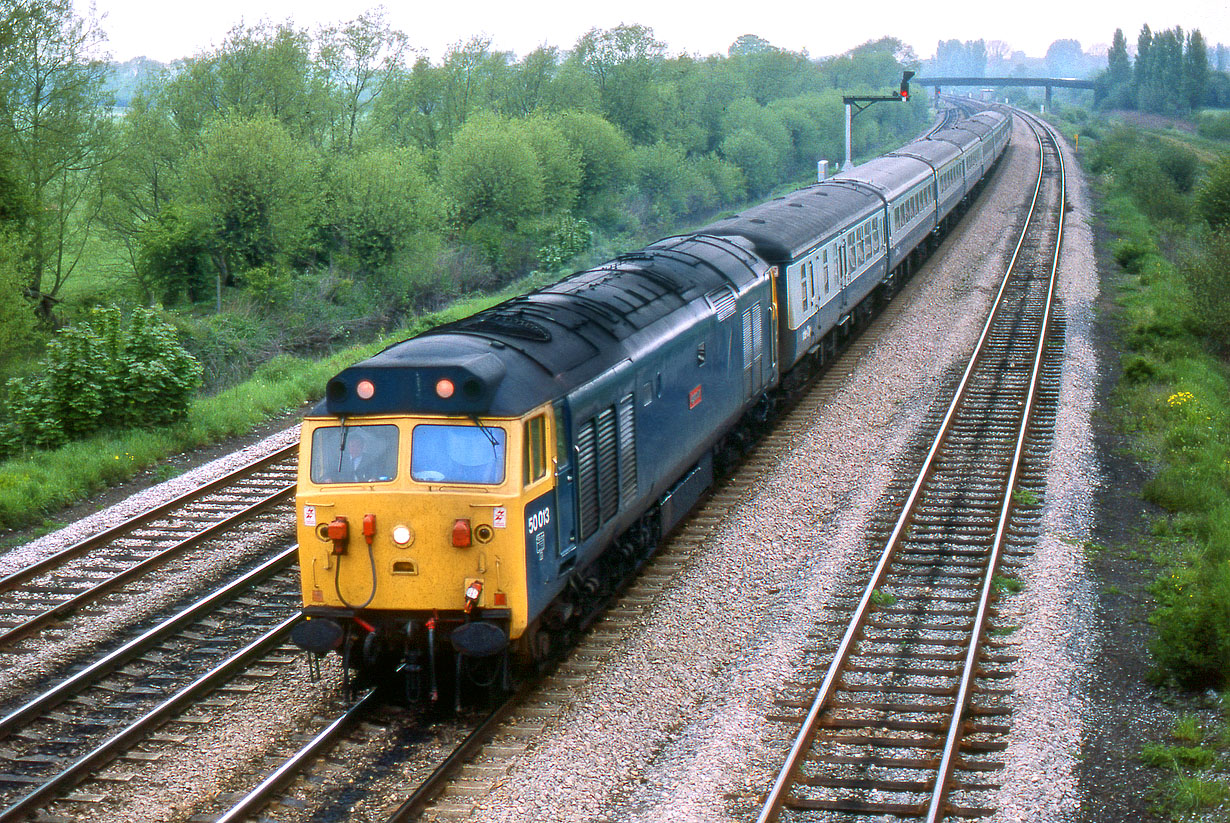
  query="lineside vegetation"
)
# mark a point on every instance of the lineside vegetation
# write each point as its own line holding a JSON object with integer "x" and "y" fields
{"x": 1166, "y": 198}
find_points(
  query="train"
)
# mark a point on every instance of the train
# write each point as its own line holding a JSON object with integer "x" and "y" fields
{"x": 465, "y": 496}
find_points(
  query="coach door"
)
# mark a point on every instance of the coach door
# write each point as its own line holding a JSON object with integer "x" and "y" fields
{"x": 843, "y": 273}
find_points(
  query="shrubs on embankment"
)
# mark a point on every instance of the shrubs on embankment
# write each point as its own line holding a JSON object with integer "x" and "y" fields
{"x": 1174, "y": 394}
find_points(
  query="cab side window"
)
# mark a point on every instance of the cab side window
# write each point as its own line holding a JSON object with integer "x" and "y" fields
{"x": 535, "y": 439}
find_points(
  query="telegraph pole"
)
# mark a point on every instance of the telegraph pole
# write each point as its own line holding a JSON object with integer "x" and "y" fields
{"x": 855, "y": 105}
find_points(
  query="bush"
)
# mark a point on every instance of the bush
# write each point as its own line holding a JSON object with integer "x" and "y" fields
{"x": 1138, "y": 369}
{"x": 1193, "y": 624}
{"x": 1130, "y": 253}
{"x": 1207, "y": 272}
{"x": 1180, "y": 165}
{"x": 1214, "y": 126}
{"x": 111, "y": 372}
{"x": 1213, "y": 199}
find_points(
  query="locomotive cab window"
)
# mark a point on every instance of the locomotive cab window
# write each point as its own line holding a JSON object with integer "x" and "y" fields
{"x": 535, "y": 465}
{"x": 457, "y": 454}
{"x": 354, "y": 454}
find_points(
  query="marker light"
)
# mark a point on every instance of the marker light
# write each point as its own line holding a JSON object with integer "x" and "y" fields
{"x": 445, "y": 388}
{"x": 402, "y": 535}
{"x": 365, "y": 389}
{"x": 461, "y": 533}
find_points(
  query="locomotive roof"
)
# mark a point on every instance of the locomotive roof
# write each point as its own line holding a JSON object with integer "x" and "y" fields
{"x": 510, "y": 358}
{"x": 787, "y": 227}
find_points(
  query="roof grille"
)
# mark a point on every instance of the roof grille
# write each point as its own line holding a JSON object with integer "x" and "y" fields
{"x": 723, "y": 302}
{"x": 510, "y": 326}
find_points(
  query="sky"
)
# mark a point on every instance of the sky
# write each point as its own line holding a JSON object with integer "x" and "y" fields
{"x": 166, "y": 31}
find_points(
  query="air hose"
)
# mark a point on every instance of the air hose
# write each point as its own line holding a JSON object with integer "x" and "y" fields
{"x": 337, "y": 573}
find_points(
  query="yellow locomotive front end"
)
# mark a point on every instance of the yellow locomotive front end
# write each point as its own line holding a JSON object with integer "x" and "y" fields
{"x": 413, "y": 537}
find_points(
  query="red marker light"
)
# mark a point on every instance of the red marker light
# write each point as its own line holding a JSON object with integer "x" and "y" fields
{"x": 461, "y": 533}
{"x": 445, "y": 388}
{"x": 365, "y": 389}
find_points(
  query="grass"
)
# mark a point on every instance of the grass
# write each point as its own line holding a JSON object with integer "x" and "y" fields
{"x": 883, "y": 598}
{"x": 1024, "y": 497}
{"x": 1006, "y": 585}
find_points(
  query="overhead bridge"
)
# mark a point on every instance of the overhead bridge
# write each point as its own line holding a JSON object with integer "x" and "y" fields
{"x": 1049, "y": 83}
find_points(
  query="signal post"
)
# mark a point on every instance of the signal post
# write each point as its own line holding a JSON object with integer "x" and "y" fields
{"x": 855, "y": 105}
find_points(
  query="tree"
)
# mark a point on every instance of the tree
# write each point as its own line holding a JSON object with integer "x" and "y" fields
{"x": 1195, "y": 70}
{"x": 605, "y": 152}
{"x": 531, "y": 80}
{"x": 360, "y": 58}
{"x": 382, "y": 205}
{"x": 955, "y": 58}
{"x": 1065, "y": 58}
{"x": 259, "y": 71}
{"x": 490, "y": 171}
{"x": 408, "y": 113}
{"x": 746, "y": 44}
{"x": 624, "y": 61}
{"x": 558, "y": 161}
{"x": 140, "y": 182}
{"x": 473, "y": 77}
{"x": 256, "y": 190}
{"x": 1118, "y": 65}
{"x": 53, "y": 123}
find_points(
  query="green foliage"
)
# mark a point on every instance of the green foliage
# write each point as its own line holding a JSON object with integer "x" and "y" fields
{"x": 883, "y": 598}
{"x": 1206, "y": 271}
{"x": 15, "y": 326}
{"x": 1192, "y": 620}
{"x": 1138, "y": 368}
{"x": 1213, "y": 198}
{"x": 1187, "y": 728}
{"x": 254, "y": 193}
{"x": 605, "y": 154}
{"x": 491, "y": 174}
{"x": 383, "y": 205}
{"x": 559, "y": 163}
{"x": 566, "y": 238}
{"x": 53, "y": 135}
{"x": 1131, "y": 253}
{"x": 173, "y": 256}
{"x": 110, "y": 372}
{"x": 1214, "y": 125}
{"x": 1155, "y": 174}
{"x": 1181, "y": 165}
{"x": 1175, "y": 758}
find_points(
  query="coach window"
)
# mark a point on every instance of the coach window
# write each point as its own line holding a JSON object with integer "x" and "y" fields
{"x": 535, "y": 465}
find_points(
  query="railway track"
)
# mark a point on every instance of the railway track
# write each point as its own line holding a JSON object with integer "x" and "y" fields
{"x": 907, "y": 717}
{"x": 61, "y": 736}
{"x": 44, "y": 593}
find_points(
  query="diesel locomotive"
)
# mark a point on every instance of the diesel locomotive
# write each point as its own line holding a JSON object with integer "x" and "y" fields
{"x": 465, "y": 495}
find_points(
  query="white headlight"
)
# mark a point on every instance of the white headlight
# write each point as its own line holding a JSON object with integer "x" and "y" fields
{"x": 402, "y": 535}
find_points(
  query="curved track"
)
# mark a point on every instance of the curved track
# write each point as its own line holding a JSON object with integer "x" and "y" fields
{"x": 904, "y": 720}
